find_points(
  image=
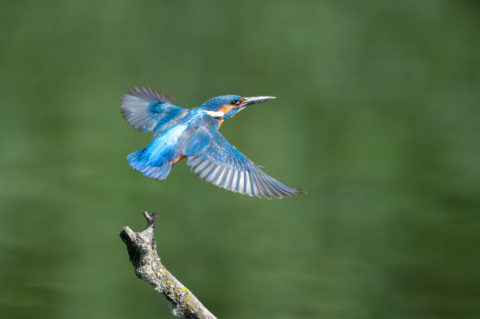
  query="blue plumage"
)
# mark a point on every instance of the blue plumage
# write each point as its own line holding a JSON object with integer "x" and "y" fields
{"x": 158, "y": 169}
{"x": 193, "y": 134}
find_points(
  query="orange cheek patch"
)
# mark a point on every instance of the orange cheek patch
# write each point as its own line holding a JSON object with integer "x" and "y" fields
{"x": 226, "y": 108}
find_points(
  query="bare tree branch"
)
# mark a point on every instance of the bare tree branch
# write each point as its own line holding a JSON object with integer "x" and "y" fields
{"x": 142, "y": 250}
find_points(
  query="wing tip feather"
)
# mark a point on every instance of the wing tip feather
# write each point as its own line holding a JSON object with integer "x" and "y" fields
{"x": 254, "y": 184}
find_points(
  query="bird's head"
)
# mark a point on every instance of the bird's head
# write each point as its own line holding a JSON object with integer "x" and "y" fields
{"x": 223, "y": 107}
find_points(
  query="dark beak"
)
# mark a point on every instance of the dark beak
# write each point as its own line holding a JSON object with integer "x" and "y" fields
{"x": 255, "y": 100}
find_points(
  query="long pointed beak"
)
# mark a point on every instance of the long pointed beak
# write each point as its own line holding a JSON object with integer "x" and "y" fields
{"x": 255, "y": 100}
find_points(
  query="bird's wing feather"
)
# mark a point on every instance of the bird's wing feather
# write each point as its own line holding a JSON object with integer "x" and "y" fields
{"x": 147, "y": 110}
{"x": 215, "y": 160}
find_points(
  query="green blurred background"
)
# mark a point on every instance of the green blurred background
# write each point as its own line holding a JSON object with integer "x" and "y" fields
{"x": 377, "y": 117}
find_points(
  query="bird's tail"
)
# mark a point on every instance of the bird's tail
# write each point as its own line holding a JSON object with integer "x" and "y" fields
{"x": 141, "y": 163}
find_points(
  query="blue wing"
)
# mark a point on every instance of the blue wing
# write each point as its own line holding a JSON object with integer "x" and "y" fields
{"x": 147, "y": 110}
{"x": 214, "y": 160}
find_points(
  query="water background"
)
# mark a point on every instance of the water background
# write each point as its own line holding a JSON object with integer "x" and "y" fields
{"x": 377, "y": 117}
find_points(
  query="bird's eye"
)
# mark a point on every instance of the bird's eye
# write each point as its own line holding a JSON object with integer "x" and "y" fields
{"x": 233, "y": 102}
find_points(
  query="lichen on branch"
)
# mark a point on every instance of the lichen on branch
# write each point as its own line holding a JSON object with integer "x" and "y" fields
{"x": 142, "y": 250}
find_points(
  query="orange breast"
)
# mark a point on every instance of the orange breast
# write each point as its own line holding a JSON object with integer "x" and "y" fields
{"x": 178, "y": 159}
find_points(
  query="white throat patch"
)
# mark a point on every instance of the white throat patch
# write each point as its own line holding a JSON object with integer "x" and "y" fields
{"x": 214, "y": 114}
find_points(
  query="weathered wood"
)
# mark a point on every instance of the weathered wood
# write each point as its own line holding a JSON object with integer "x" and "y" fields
{"x": 142, "y": 250}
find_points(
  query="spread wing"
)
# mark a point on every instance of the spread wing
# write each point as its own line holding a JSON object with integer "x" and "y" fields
{"x": 215, "y": 160}
{"x": 148, "y": 110}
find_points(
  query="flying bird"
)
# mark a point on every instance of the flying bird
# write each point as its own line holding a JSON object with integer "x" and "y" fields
{"x": 193, "y": 134}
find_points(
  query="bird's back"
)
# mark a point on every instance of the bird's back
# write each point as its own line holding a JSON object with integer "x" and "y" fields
{"x": 169, "y": 141}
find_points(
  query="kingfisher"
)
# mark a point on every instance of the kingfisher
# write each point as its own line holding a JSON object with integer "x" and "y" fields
{"x": 193, "y": 134}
